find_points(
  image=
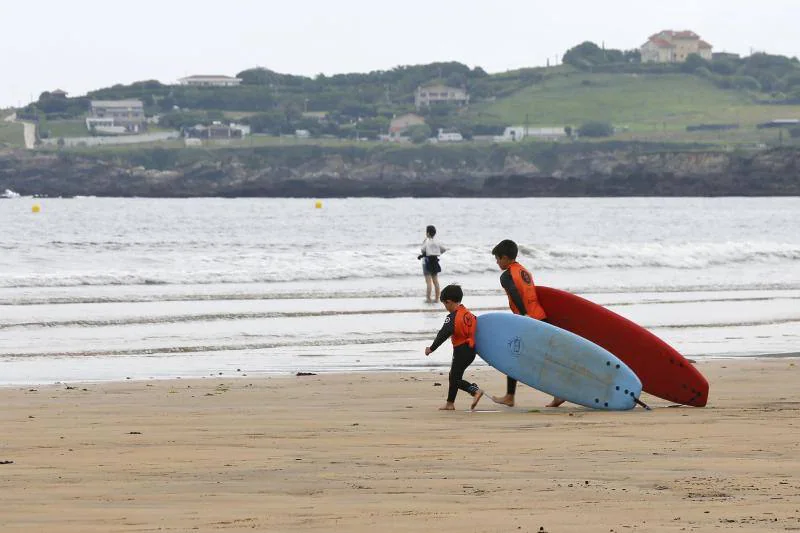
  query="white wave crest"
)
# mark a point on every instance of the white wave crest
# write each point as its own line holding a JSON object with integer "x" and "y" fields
{"x": 217, "y": 266}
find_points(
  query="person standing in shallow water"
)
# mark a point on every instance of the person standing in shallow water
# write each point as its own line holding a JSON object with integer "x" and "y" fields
{"x": 429, "y": 253}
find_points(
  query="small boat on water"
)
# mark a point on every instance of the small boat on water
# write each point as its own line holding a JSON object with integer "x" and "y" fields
{"x": 10, "y": 194}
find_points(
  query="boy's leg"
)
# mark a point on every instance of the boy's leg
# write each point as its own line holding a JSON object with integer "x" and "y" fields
{"x": 477, "y": 394}
{"x": 466, "y": 356}
{"x": 511, "y": 390}
{"x": 435, "y": 278}
{"x": 556, "y": 402}
{"x": 428, "y": 287}
{"x": 462, "y": 358}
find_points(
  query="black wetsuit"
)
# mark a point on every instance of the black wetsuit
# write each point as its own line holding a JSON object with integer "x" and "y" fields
{"x": 463, "y": 356}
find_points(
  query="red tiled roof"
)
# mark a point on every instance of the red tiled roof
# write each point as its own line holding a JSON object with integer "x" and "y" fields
{"x": 661, "y": 43}
{"x": 685, "y": 34}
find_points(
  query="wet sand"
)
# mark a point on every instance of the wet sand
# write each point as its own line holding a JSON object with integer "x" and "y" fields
{"x": 371, "y": 452}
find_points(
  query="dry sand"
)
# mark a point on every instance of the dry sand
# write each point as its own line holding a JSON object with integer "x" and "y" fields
{"x": 371, "y": 453}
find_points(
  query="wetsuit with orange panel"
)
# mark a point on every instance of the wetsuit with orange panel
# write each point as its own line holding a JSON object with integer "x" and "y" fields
{"x": 521, "y": 290}
{"x": 460, "y": 326}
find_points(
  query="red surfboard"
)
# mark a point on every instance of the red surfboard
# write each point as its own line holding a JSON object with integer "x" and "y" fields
{"x": 663, "y": 371}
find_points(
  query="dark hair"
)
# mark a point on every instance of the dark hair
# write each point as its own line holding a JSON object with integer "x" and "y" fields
{"x": 506, "y": 248}
{"x": 431, "y": 231}
{"x": 452, "y": 293}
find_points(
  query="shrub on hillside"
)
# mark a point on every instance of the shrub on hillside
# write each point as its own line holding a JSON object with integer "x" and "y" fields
{"x": 596, "y": 129}
{"x": 419, "y": 133}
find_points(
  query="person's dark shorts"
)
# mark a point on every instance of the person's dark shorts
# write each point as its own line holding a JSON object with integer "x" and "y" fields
{"x": 431, "y": 268}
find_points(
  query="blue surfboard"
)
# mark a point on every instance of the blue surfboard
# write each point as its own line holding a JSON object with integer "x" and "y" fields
{"x": 556, "y": 361}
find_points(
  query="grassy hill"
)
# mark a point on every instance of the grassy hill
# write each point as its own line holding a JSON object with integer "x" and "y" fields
{"x": 643, "y": 106}
{"x": 651, "y": 106}
{"x": 11, "y": 134}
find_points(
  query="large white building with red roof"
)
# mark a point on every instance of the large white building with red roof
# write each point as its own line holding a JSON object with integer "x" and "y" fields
{"x": 674, "y": 47}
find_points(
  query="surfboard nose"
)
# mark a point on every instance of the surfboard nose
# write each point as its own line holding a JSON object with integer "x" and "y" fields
{"x": 699, "y": 393}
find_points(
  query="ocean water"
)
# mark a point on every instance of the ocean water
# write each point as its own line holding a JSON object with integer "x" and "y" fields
{"x": 109, "y": 289}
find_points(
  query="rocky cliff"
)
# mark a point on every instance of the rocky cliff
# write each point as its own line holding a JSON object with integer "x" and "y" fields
{"x": 496, "y": 171}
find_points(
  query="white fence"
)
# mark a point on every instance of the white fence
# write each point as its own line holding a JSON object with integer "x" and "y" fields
{"x": 101, "y": 141}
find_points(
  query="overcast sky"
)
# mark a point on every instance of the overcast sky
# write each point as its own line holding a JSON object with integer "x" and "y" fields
{"x": 80, "y": 45}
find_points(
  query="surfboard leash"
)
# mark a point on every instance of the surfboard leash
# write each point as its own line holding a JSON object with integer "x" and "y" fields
{"x": 641, "y": 403}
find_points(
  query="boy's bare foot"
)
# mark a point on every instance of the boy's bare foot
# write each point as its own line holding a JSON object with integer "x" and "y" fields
{"x": 476, "y": 399}
{"x": 448, "y": 407}
{"x": 555, "y": 403}
{"x": 507, "y": 400}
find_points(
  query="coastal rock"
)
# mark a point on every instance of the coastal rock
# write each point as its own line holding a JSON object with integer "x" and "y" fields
{"x": 489, "y": 171}
{"x": 516, "y": 166}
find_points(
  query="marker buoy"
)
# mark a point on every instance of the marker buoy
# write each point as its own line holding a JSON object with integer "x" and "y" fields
{"x": 36, "y": 208}
{"x": 318, "y": 204}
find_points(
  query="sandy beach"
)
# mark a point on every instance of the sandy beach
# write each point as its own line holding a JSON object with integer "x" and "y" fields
{"x": 371, "y": 452}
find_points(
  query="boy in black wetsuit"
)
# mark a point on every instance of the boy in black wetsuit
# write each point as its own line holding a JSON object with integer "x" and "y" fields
{"x": 460, "y": 324}
{"x": 518, "y": 283}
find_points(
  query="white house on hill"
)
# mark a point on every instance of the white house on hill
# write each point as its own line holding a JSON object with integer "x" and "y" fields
{"x": 674, "y": 47}
{"x": 434, "y": 94}
{"x": 116, "y": 116}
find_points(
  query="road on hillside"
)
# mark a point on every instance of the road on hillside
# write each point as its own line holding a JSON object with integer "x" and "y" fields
{"x": 29, "y": 130}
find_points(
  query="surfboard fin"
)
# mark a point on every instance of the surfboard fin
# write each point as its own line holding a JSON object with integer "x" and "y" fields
{"x": 640, "y": 402}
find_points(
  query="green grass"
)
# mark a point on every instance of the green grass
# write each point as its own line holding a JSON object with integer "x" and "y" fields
{"x": 238, "y": 115}
{"x": 642, "y": 103}
{"x": 65, "y": 128}
{"x": 11, "y": 133}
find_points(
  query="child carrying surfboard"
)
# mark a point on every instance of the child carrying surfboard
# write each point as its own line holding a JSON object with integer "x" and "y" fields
{"x": 460, "y": 326}
{"x": 517, "y": 281}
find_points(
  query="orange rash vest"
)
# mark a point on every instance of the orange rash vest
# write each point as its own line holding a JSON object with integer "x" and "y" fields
{"x": 523, "y": 281}
{"x": 464, "y": 325}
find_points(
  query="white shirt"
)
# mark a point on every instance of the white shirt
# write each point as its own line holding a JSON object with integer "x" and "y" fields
{"x": 430, "y": 246}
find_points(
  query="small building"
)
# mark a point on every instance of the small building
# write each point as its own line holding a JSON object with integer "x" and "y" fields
{"x": 517, "y": 133}
{"x": 58, "y": 93}
{"x": 449, "y": 136}
{"x": 779, "y": 123}
{"x": 216, "y": 130}
{"x": 669, "y": 46}
{"x": 399, "y": 125}
{"x": 124, "y": 116}
{"x": 424, "y": 96}
{"x": 105, "y": 126}
{"x": 210, "y": 81}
